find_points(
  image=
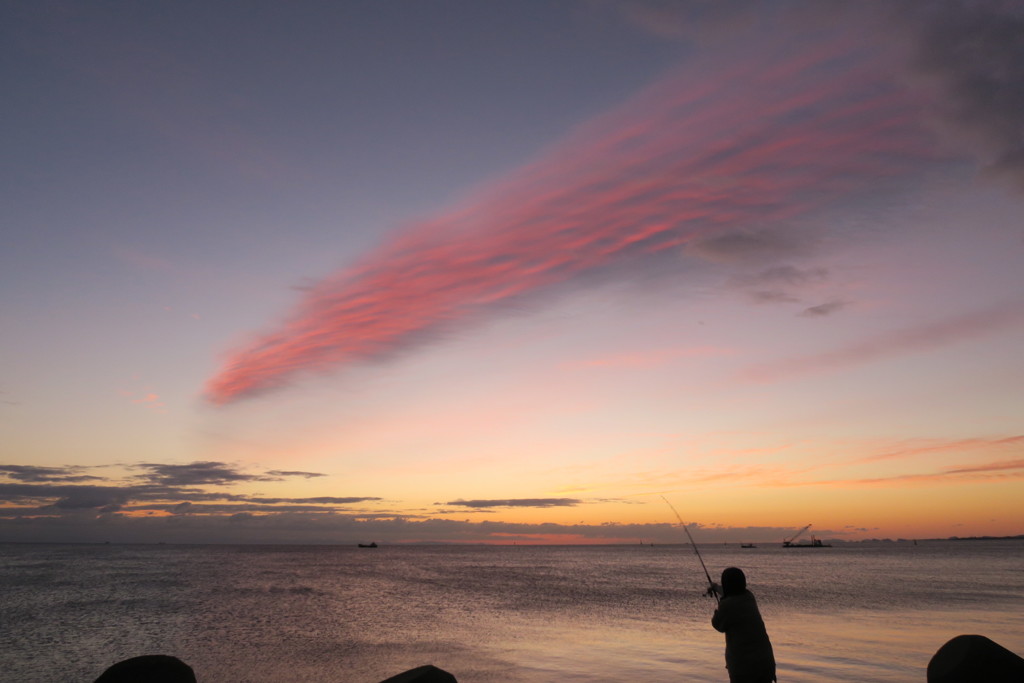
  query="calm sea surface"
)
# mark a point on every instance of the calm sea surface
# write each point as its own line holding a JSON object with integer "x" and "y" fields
{"x": 520, "y": 613}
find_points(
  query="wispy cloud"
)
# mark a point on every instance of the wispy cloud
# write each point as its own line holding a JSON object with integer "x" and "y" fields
{"x": 32, "y": 490}
{"x": 928, "y": 447}
{"x": 1000, "y": 466}
{"x": 974, "y": 51}
{"x": 62, "y": 497}
{"x": 516, "y": 503}
{"x": 750, "y": 246}
{"x": 36, "y": 474}
{"x": 773, "y": 296}
{"x": 821, "y": 310}
{"x": 1003, "y": 469}
{"x": 971, "y": 51}
{"x": 720, "y": 156}
{"x": 292, "y": 473}
{"x": 1012, "y": 470}
{"x": 952, "y": 330}
{"x": 144, "y": 396}
{"x": 197, "y": 474}
{"x": 789, "y": 284}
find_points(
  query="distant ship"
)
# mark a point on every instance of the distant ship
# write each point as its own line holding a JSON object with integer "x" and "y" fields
{"x": 368, "y": 545}
{"x": 747, "y": 545}
{"x": 814, "y": 543}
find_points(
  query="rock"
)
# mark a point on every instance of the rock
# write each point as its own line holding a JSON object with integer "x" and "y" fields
{"x": 975, "y": 659}
{"x": 149, "y": 669}
{"x": 423, "y": 674}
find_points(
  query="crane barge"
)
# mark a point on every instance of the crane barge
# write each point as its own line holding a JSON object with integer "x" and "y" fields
{"x": 813, "y": 543}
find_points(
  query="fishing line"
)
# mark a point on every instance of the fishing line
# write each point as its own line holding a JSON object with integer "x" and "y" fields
{"x": 711, "y": 584}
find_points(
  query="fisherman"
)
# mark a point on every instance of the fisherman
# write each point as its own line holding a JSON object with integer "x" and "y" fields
{"x": 748, "y": 652}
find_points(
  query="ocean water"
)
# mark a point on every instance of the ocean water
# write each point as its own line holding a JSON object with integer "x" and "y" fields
{"x": 289, "y": 614}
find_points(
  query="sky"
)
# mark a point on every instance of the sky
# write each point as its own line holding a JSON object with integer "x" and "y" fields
{"x": 462, "y": 272}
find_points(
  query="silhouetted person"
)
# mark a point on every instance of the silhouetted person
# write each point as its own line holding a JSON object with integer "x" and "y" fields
{"x": 748, "y": 652}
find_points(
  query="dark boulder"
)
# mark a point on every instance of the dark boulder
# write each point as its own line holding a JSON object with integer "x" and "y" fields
{"x": 422, "y": 674}
{"x": 149, "y": 669}
{"x": 975, "y": 659}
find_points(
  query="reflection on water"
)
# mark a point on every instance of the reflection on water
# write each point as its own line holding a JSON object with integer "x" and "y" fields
{"x": 285, "y": 614}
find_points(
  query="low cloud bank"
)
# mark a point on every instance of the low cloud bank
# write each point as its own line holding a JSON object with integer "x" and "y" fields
{"x": 187, "y": 503}
{"x": 298, "y": 527}
{"x": 31, "y": 492}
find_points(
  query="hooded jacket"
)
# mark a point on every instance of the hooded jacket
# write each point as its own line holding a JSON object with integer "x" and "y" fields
{"x": 748, "y": 652}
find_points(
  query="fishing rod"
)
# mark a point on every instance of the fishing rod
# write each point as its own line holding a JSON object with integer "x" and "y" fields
{"x": 711, "y": 584}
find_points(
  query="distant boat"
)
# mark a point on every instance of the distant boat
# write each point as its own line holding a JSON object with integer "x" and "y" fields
{"x": 815, "y": 543}
{"x": 747, "y": 545}
{"x": 368, "y": 545}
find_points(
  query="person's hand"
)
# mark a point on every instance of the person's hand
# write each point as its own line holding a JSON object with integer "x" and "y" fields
{"x": 713, "y": 590}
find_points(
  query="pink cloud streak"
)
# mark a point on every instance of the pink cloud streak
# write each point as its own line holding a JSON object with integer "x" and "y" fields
{"x": 998, "y": 471}
{"x": 943, "y": 446}
{"x": 949, "y": 331}
{"x": 711, "y": 149}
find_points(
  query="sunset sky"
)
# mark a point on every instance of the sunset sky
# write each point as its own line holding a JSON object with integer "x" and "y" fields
{"x": 458, "y": 271}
